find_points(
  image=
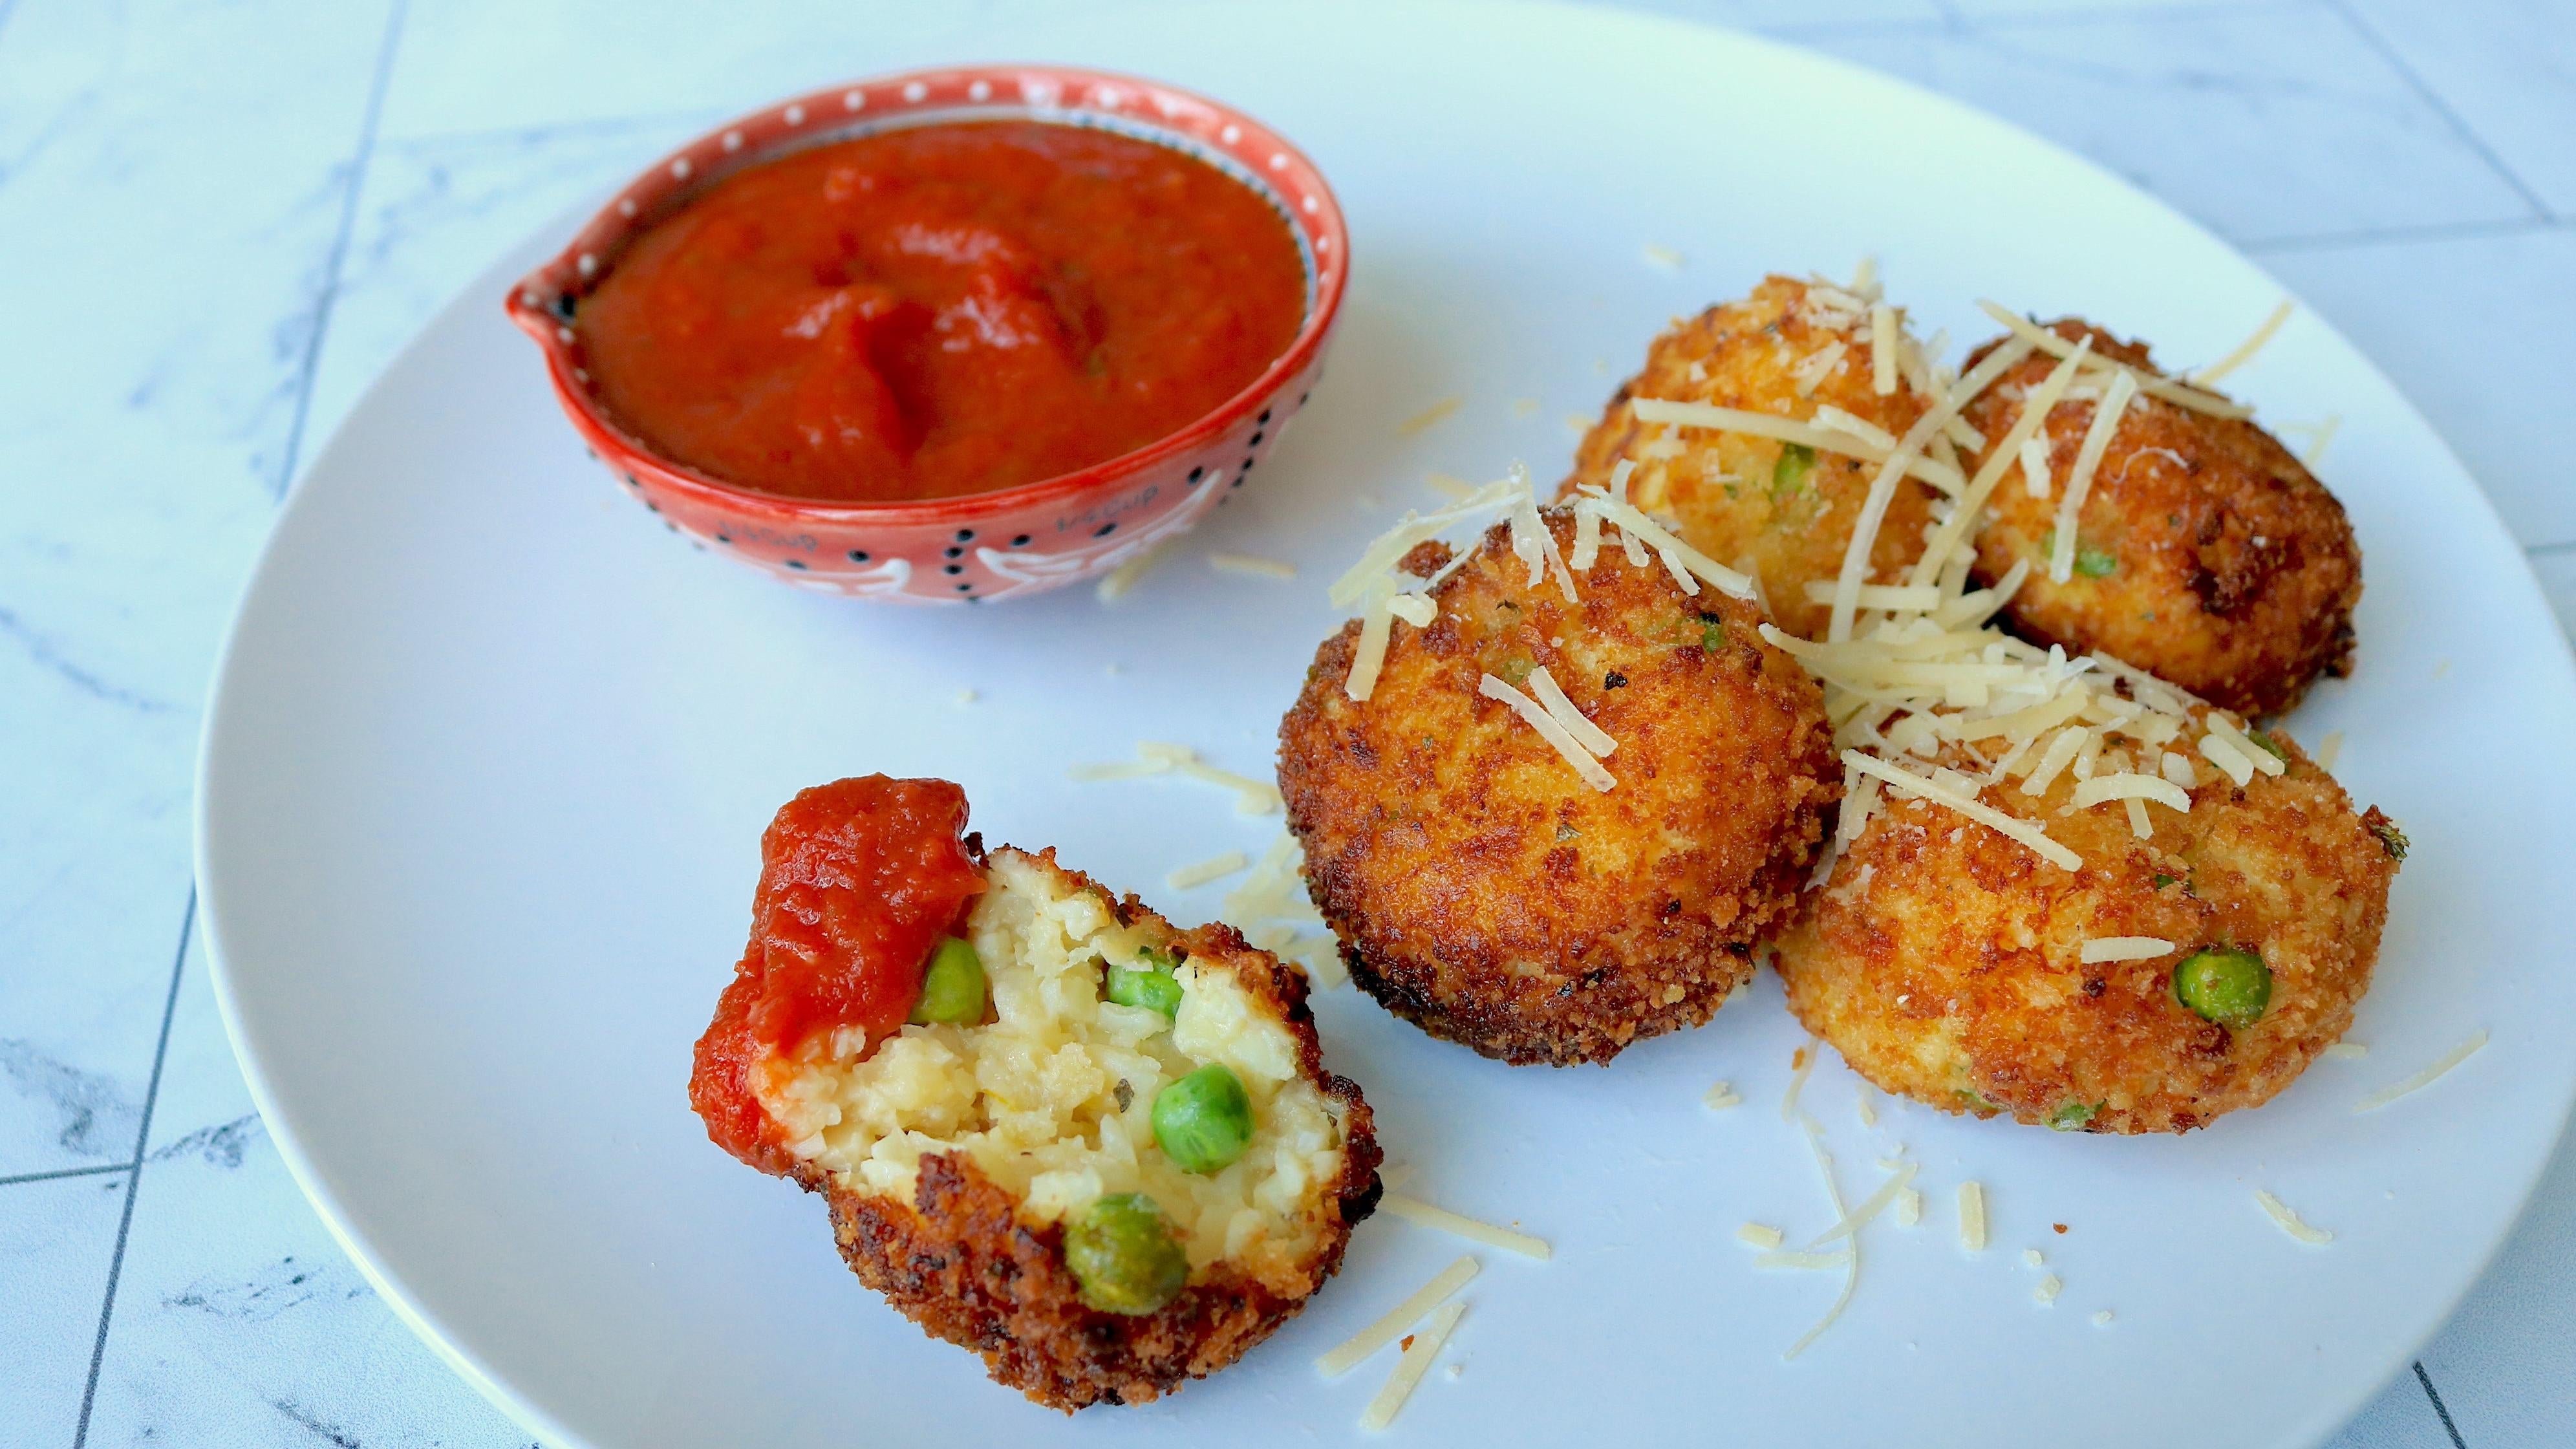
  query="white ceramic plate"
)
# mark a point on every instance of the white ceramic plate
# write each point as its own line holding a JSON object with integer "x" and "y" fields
{"x": 490, "y": 754}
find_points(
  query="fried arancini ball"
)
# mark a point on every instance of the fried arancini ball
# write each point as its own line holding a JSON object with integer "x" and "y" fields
{"x": 1478, "y": 886}
{"x": 1943, "y": 960}
{"x": 2206, "y": 553}
{"x": 1111, "y": 1164}
{"x": 1783, "y": 512}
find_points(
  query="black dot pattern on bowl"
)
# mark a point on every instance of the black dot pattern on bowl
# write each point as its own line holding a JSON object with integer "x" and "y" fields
{"x": 953, "y": 568}
{"x": 724, "y": 538}
{"x": 1247, "y": 464}
{"x": 1104, "y": 530}
{"x": 965, "y": 535}
{"x": 797, "y": 564}
{"x": 656, "y": 507}
{"x": 955, "y": 552}
{"x": 965, "y": 588}
{"x": 1021, "y": 541}
{"x": 1301, "y": 398}
{"x": 1264, "y": 419}
{"x": 858, "y": 555}
{"x": 631, "y": 483}
{"x": 1197, "y": 473}
{"x": 1256, "y": 440}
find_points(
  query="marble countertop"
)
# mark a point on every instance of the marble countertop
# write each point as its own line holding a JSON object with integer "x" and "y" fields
{"x": 225, "y": 218}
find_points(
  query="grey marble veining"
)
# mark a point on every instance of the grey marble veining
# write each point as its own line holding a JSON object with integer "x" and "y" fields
{"x": 221, "y": 221}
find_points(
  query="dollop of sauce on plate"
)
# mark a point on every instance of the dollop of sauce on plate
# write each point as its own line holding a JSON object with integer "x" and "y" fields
{"x": 859, "y": 880}
{"x": 942, "y": 310}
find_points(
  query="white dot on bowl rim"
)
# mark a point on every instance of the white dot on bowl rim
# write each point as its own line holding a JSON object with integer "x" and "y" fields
{"x": 733, "y": 140}
{"x": 1278, "y": 161}
{"x": 795, "y": 115}
{"x": 915, "y": 91}
{"x": 529, "y": 298}
{"x": 626, "y": 206}
{"x": 563, "y": 334}
{"x": 979, "y": 91}
{"x": 588, "y": 264}
{"x": 1230, "y": 135}
{"x": 854, "y": 100}
{"x": 680, "y": 169}
{"x": 1312, "y": 205}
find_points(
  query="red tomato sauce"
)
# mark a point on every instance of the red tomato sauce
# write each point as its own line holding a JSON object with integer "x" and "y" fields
{"x": 944, "y": 310}
{"x": 859, "y": 879}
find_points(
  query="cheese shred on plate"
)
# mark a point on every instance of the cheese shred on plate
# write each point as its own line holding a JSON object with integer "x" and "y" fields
{"x": 1402, "y": 1316}
{"x": 1418, "y": 1354}
{"x": 1972, "y": 1216}
{"x": 2426, "y": 1077}
{"x": 1423, "y": 1214}
{"x": 2279, "y": 1212}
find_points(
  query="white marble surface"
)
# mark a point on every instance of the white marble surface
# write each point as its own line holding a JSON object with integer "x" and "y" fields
{"x": 222, "y": 219}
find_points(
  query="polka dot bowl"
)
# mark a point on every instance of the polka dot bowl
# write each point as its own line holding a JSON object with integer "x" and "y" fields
{"x": 1013, "y": 541}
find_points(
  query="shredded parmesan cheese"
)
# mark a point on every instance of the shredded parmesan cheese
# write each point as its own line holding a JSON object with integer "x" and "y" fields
{"x": 1870, "y": 1206}
{"x": 1972, "y": 1217}
{"x": 1368, "y": 657}
{"x": 2034, "y": 467}
{"x": 1819, "y": 366}
{"x": 1664, "y": 257}
{"x": 1882, "y": 349}
{"x": 1787, "y": 430}
{"x": 2244, "y": 351}
{"x": 2047, "y": 1290}
{"x": 1450, "y": 485}
{"x": 1590, "y": 736}
{"x": 1850, "y": 1251}
{"x": 1430, "y": 417}
{"x": 1216, "y": 867}
{"x": 1245, "y": 563}
{"x": 2279, "y": 1212}
{"x": 1755, "y": 1235}
{"x": 2079, "y": 479}
{"x": 1909, "y": 1208}
{"x": 1423, "y": 1214}
{"x": 2170, "y": 391}
{"x": 1251, "y": 796}
{"x": 2011, "y": 827}
{"x": 1409, "y": 1369}
{"x": 1548, "y": 729}
{"x": 2347, "y": 1051}
{"x": 1798, "y": 1080}
{"x": 2426, "y": 1077}
{"x": 2329, "y": 749}
{"x": 1720, "y": 1097}
{"x": 2123, "y": 948}
{"x": 1399, "y": 1318}
{"x": 2126, "y": 786}
{"x": 1115, "y": 584}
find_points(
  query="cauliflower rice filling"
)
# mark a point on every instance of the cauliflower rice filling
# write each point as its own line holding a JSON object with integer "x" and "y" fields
{"x": 1052, "y": 1099}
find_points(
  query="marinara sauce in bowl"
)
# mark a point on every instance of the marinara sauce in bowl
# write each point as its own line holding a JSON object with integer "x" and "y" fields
{"x": 947, "y": 336}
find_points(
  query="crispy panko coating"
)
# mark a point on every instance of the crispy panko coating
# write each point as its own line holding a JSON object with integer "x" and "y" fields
{"x": 2206, "y": 553}
{"x": 966, "y": 1258}
{"x": 1736, "y": 499}
{"x": 1942, "y": 960}
{"x": 1479, "y": 887}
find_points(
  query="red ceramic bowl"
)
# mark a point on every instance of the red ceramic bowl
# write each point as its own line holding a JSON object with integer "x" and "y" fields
{"x": 1019, "y": 540}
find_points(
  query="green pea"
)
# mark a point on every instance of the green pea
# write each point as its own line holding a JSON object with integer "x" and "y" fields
{"x": 1123, "y": 1255}
{"x": 1152, "y": 986}
{"x": 1789, "y": 474}
{"x": 1204, "y": 1120}
{"x": 2092, "y": 563}
{"x": 2228, "y": 985}
{"x": 952, "y": 990}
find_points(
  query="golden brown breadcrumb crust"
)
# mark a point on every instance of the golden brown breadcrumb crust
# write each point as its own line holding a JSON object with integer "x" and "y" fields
{"x": 1479, "y": 887}
{"x": 1941, "y": 959}
{"x": 2208, "y": 555}
{"x": 959, "y": 1260}
{"x": 1726, "y": 489}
